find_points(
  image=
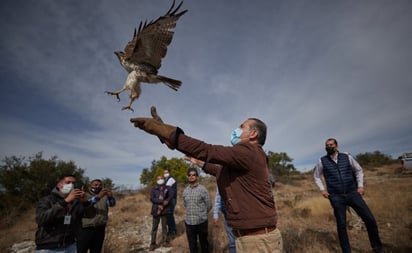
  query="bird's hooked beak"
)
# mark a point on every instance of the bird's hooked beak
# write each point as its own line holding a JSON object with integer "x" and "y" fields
{"x": 117, "y": 53}
{"x": 120, "y": 56}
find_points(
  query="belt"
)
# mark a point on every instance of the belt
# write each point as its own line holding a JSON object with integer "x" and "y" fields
{"x": 253, "y": 231}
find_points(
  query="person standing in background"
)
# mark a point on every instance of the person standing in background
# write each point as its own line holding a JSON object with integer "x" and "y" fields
{"x": 160, "y": 196}
{"x": 196, "y": 200}
{"x": 344, "y": 188}
{"x": 58, "y": 217}
{"x": 171, "y": 223}
{"x": 93, "y": 229}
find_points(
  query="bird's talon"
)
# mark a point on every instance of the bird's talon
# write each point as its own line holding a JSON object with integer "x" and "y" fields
{"x": 113, "y": 93}
{"x": 127, "y": 108}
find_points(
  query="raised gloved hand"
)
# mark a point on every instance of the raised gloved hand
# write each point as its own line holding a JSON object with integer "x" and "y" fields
{"x": 154, "y": 114}
{"x": 156, "y": 117}
{"x": 154, "y": 125}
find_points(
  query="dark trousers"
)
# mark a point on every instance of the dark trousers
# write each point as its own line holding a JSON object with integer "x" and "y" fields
{"x": 171, "y": 223}
{"x": 155, "y": 225}
{"x": 339, "y": 203}
{"x": 195, "y": 231}
{"x": 90, "y": 238}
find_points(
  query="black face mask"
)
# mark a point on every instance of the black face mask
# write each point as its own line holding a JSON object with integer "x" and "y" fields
{"x": 330, "y": 150}
{"x": 95, "y": 190}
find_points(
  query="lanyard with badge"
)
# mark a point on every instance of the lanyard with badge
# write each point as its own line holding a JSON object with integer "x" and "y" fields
{"x": 67, "y": 217}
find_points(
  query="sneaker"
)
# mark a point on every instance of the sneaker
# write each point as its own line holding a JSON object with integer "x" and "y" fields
{"x": 152, "y": 247}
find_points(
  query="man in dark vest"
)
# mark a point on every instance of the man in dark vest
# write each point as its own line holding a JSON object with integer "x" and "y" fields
{"x": 344, "y": 187}
{"x": 171, "y": 223}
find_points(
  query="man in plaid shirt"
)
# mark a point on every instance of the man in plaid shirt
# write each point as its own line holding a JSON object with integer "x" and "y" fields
{"x": 196, "y": 200}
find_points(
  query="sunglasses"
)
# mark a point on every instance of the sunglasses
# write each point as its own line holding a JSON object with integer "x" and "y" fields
{"x": 192, "y": 175}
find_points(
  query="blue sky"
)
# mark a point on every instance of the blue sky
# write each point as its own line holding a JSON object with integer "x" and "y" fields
{"x": 309, "y": 69}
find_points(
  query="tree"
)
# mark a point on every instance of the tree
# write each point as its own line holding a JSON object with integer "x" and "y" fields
{"x": 373, "y": 159}
{"x": 108, "y": 183}
{"x": 280, "y": 164}
{"x": 177, "y": 167}
{"x": 29, "y": 179}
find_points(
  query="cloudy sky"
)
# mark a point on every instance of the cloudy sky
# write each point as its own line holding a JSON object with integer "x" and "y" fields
{"x": 309, "y": 69}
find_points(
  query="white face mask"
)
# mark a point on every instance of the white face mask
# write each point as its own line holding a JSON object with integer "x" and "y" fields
{"x": 160, "y": 181}
{"x": 66, "y": 189}
{"x": 235, "y": 136}
{"x": 166, "y": 175}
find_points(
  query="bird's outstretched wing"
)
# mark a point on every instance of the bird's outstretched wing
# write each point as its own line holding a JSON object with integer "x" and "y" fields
{"x": 150, "y": 41}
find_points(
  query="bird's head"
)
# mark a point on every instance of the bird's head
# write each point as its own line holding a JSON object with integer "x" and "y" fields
{"x": 121, "y": 56}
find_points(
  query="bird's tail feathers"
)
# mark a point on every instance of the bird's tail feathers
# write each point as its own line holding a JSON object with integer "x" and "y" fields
{"x": 172, "y": 83}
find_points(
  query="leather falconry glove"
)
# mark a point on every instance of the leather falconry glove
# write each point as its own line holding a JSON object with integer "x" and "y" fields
{"x": 156, "y": 117}
{"x": 154, "y": 126}
{"x": 154, "y": 114}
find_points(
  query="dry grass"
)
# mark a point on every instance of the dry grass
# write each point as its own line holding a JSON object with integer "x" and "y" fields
{"x": 23, "y": 230}
{"x": 308, "y": 225}
{"x": 305, "y": 218}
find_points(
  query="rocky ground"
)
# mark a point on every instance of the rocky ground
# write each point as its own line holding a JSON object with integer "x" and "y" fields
{"x": 135, "y": 235}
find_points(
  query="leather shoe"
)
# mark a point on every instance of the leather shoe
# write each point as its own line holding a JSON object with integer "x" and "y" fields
{"x": 152, "y": 247}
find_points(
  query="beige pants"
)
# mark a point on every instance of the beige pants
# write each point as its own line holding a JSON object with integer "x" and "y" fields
{"x": 265, "y": 243}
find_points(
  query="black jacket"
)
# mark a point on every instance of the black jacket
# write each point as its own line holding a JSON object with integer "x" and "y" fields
{"x": 51, "y": 232}
{"x": 158, "y": 195}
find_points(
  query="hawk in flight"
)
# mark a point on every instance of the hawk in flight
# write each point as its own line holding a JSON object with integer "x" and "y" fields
{"x": 143, "y": 55}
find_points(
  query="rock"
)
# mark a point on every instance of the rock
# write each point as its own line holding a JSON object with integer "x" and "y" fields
{"x": 23, "y": 247}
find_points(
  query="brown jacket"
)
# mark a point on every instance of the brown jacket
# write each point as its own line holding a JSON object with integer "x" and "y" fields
{"x": 243, "y": 179}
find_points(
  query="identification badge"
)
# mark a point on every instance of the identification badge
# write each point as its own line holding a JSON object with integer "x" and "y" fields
{"x": 67, "y": 219}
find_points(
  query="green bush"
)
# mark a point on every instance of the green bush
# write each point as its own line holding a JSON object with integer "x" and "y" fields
{"x": 373, "y": 159}
{"x": 24, "y": 181}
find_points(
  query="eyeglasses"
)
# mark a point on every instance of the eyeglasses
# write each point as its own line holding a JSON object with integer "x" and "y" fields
{"x": 192, "y": 175}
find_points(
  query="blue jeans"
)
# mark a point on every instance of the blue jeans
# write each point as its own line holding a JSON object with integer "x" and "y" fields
{"x": 231, "y": 237}
{"x": 339, "y": 203}
{"x": 69, "y": 249}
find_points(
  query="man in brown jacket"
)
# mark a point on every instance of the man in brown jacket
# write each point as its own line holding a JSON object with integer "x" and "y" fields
{"x": 242, "y": 176}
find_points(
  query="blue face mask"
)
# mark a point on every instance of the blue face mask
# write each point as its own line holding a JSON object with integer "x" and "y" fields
{"x": 235, "y": 138}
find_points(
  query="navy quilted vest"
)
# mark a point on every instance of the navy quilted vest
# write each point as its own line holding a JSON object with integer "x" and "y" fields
{"x": 339, "y": 177}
